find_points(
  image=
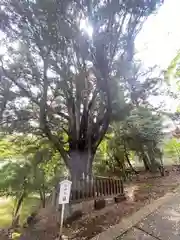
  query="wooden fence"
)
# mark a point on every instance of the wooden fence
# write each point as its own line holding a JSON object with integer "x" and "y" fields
{"x": 88, "y": 189}
{"x": 95, "y": 188}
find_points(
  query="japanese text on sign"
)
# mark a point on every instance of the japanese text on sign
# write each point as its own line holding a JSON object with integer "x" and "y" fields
{"x": 65, "y": 189}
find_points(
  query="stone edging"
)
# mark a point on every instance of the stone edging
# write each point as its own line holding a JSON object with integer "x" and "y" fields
{"x": 129, "y": 222}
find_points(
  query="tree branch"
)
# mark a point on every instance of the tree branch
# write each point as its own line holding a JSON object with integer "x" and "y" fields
{"x": 27, "y": 93}
{"x": 102, "y": 131}
{"x": 55, "y": 140}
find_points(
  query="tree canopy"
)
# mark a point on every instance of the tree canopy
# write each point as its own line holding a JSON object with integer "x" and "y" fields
{"x": 62, "y": 63}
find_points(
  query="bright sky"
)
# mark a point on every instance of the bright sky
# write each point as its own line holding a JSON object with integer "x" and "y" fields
{"x": 159, "y": 41}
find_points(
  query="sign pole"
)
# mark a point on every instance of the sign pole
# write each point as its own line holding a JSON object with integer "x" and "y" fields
{"x": 64, "y": 196}
{"x": 61, "y": 223}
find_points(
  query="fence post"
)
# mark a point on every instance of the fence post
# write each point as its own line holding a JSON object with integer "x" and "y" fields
{"x": 101, "y": 187}
{"x": 98, "y": 187}
{"x": 91, "y": 188}
{"x": 122, "y": 186}
{"x": 78, "y": 190}
{"x": 111, "y": 186}
{"x": 107, "y": 187}
{"x": 114, "y": 186}
{"x": 94, "y": 188}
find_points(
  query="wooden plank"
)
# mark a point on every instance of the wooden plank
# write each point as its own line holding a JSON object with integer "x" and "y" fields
{"x": 114, "y": 187}
{"x": 108, "y": 187}
{"x": 101, "y": 187}
{"x": 77, "y": 189}
{"x": 118, "y": 187}
{"x": 122, "y": 186}
{"x": 115, "y": 190}
{"x": 86, "y": 188}
{"x": 105, "y": 187}
{"x": 111, "y": 186}
{"x": 83, "y": 188}
{"x": 75, "y": 197}
{"x": 72, "y": 191}
{"x": 80, "y": 189}
{"x": 117, "y": 181}
{"x": 94, "y": 188}
{"x": 98, "y": 187}
{"x": 91, "y": 188}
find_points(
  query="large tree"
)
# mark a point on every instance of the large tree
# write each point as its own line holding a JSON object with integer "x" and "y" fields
{"x": 60, "y": 66}
{"x": 141, "y": 129}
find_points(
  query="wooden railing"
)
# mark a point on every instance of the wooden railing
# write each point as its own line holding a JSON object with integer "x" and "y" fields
{"x": 95, "y": 188}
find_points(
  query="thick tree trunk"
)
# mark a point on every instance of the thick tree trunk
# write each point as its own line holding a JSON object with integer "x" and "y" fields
{"x": 80, "y": 168}
{"x": 80, "y": 164}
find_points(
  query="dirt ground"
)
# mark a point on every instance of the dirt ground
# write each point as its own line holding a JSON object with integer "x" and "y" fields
{"x": 139, "y": 192}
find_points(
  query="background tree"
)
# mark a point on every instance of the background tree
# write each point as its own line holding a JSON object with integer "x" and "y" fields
{"x": 141, "y": 132}
{"x": 139, "y": 129}
{"x": 14, "y": 183}
{"x": 172, "y": 77}
{"x": 31, "y": 167}
{"x": 57, "y": 75}
{"x": 172, "y": 149}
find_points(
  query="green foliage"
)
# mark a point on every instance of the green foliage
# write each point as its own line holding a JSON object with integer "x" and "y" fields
{"x": 13, "y": 178}
{"x": 144, "y": 124}
{"x": 8, "y": 150}
{"x": 172, "y": 149}
{"x": 102, "y": 165}
{"x": 7, "y": 207}
{"x": 172, "y": 76}
{"x": 33, "y": 168}
{"x": 173, "y": 71}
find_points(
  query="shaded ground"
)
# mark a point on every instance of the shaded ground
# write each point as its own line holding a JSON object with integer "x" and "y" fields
{"x": 139, "y": 192}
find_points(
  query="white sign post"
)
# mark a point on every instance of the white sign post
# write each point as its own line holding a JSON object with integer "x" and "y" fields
{"x": 64, "y": 195}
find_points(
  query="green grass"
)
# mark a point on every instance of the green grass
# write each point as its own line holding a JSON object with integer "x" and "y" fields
{"x": 6, "y": 210}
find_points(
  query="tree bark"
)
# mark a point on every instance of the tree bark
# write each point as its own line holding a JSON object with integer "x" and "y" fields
{"x": 122, "y": 167}
{"x": 128, "y": 160}
{"x": 19, "y": 203}
{"x": 42, "y": 197}
{"x": 80, "y": 164}
{"x": 17, "y": 209}
{"x": 54, "y": 196}
{"x": 161, "y": 165}
{"x": 145, "y": 161}
{"x": 153, "y": 162}
{"x": 129, "y": 163}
